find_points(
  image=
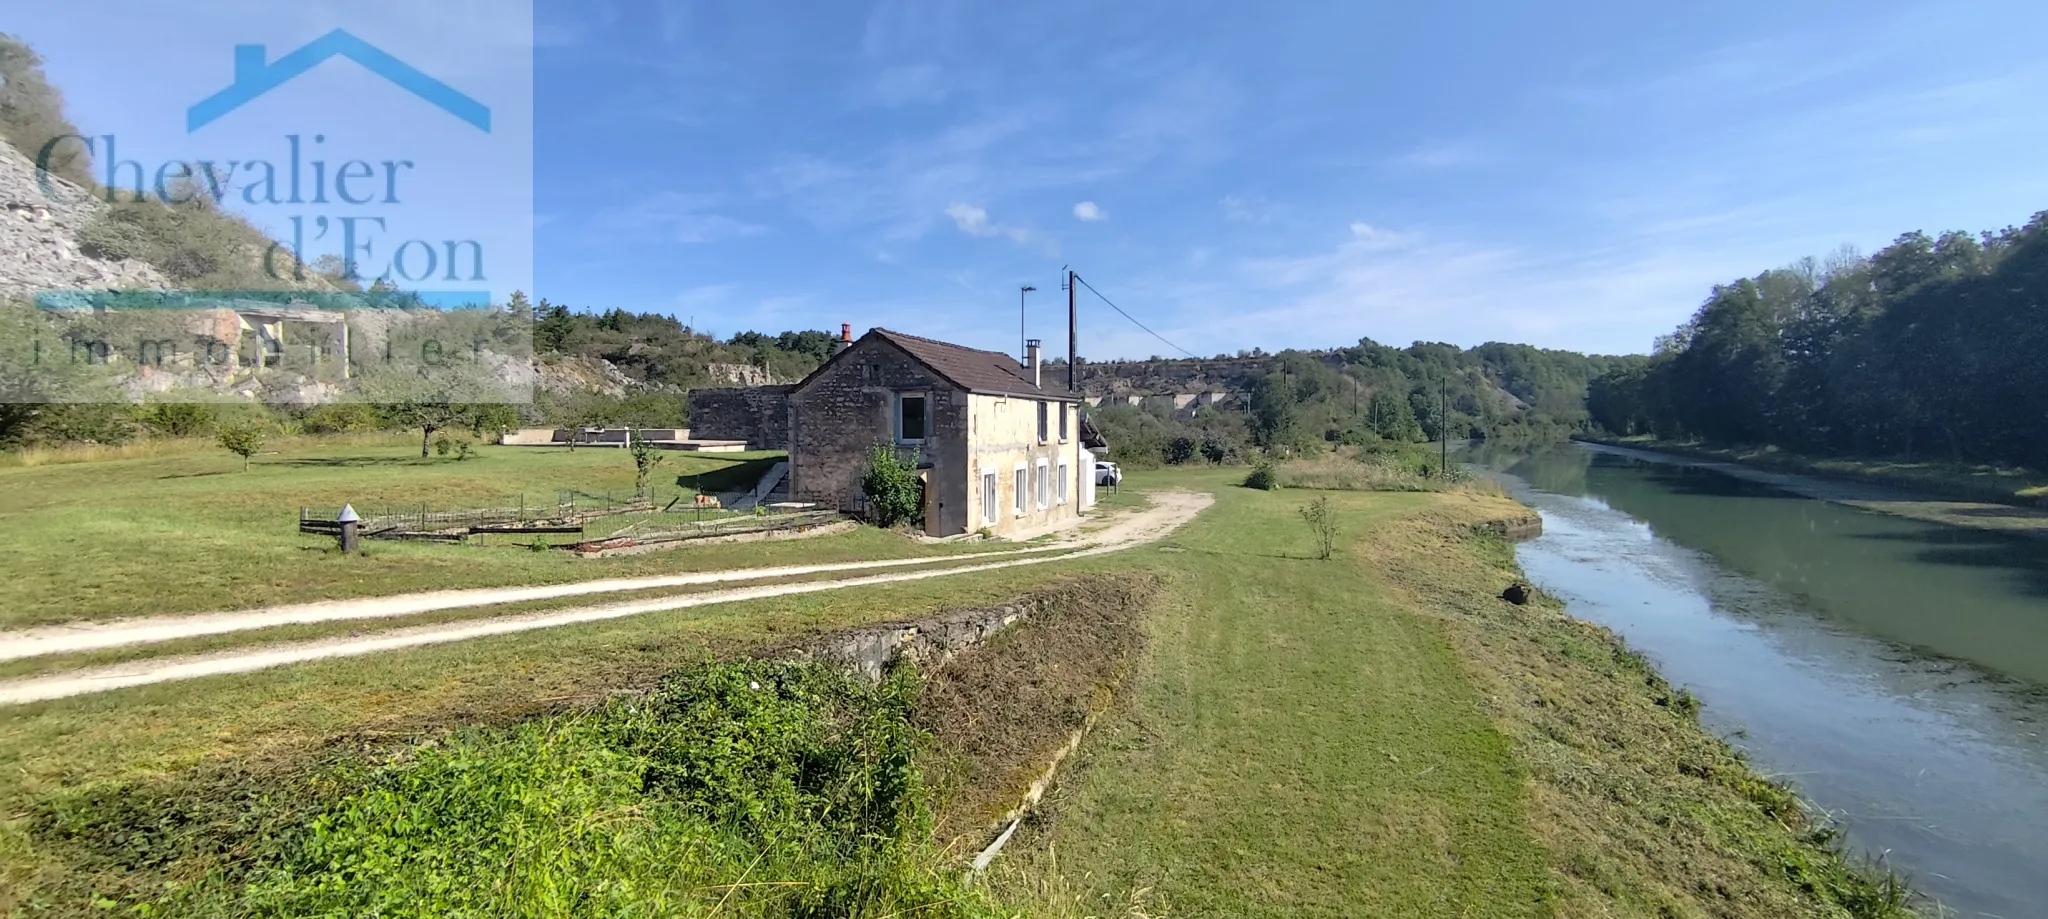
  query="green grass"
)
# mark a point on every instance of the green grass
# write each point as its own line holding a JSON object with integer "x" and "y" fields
{"x": 1299, "y": 744}
{"x": 1957, "y": 480}
{"x": 1376, "y": 734}
{"x": 190, "y": 532}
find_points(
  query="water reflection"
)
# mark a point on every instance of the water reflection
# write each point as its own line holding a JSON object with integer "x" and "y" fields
{"x": 1894, "y": 669}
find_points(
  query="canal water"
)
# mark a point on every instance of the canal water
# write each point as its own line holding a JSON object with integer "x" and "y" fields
{"x": 1895, "y": 671}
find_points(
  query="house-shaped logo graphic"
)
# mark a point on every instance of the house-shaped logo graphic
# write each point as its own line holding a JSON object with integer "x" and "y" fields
{"x": 255, "y": 75}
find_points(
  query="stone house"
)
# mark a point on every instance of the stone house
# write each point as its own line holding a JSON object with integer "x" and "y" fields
{"x": 997, "y": 450}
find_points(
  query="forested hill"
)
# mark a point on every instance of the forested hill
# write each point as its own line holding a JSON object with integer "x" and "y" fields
{"x": 1360, "y": 395}
{"x": 1932, "y": 347}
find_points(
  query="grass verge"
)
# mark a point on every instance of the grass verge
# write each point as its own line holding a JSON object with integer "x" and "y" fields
{"x": 1381, "y": 734}
{"x": 1955, "y": 480}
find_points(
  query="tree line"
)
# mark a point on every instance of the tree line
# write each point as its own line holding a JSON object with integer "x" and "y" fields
{"x": 1367, "y": 395}
{"x": 1932, "y": 347}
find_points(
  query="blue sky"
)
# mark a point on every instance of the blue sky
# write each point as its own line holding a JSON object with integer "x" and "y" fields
{"x": 1240, "y": 175}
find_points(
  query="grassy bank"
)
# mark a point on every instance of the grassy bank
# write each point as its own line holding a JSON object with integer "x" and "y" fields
{"x": 1380, "y": 734}
{"x": 191, "y": 532}
{"x": 111, "y": 796}
{"x": 1954, "y": 480}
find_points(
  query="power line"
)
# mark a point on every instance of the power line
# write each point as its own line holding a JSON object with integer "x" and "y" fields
{"x": 1134, "y": 321}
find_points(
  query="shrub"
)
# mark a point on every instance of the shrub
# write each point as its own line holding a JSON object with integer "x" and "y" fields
{"x": 112, "y": 240}
{"x": 1263, "y": 477}
{"x": 1322, "y": 522}
{"x": 1180, "y": 450}
{"x": 1220, "y": 450}
{"x": 179, "y": 419}
{"x": 798, "y": 776}
{"x": 890, "y": 485}
{"x": 340, "y": 418}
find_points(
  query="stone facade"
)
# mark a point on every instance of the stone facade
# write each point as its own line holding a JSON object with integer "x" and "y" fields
{"x": 852, "y": 403}
{"x": 849, "y": 405}
{"x": 759, "y": 415}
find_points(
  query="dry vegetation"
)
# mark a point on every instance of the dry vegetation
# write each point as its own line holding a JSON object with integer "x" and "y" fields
{"x": 997, "y": 712}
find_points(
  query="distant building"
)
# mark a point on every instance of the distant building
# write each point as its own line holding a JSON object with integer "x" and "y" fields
{"x": 996, "y": 449}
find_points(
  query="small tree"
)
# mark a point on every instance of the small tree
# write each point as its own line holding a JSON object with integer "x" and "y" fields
{"x": 1180, "y": 450}
{"x": 243, "y": 439}
{"x": 1322, "y": 522}
{"x": 646, "y": 456}
{"x": 891, "y": 487}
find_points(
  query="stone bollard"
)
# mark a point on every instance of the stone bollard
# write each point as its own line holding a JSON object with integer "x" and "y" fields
{"x": 349, "y": 522}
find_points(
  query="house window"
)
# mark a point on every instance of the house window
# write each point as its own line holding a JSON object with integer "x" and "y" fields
{"x": 913, "y": 418}
{"x": 1065, "y": 475}
{"x": 1044, "y": 487}
{"x": 1042, "y": 407}
{"x": 1022, "y": 490}
{"x": 1063, "y": 424}
{"x": 988, "y": 497}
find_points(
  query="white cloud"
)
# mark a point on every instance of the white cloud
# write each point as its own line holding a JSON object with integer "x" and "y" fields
{"x": 704, "y": 295}
{"x": 973, "y": 221}
{"x": 673, "y": 216}
{"x": 1447, "y": 155}
{"x": 1090, "y": 211}
{"x": 1247, "y": 208}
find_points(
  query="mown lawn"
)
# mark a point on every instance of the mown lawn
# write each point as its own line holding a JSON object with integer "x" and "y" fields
{"x": 1298, "y": 744}
{"x": 194, "y": 533}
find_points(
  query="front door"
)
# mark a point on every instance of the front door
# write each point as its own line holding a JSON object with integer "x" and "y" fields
{"x": 930, "y": 503}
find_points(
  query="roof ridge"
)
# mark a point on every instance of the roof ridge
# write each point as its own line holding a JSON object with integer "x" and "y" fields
{"x": 934, "y": 341}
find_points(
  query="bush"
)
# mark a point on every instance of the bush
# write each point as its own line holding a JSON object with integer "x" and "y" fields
{"x": 1263, "y": 477}
{"x": 340, "y": 418}
{"x": 179, "y": 419}
{"x": 798, "y": 776}
{"x": 1221, "y": 451}
{"x": 1322, "y": 522}
{"x": 894, "y": 494}
{"x": 1180, "y": 450}
{"x": 112, "y": 240}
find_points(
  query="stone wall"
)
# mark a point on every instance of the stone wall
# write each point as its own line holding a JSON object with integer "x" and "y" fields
{"x": 930, "y": 642}
{"x": 758, "y": 415}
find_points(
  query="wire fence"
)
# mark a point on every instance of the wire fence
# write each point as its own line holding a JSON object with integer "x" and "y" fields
{"x": 570, "y": 508}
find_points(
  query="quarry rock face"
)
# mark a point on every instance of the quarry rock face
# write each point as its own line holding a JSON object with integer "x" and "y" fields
{"x": 40, "y": 218}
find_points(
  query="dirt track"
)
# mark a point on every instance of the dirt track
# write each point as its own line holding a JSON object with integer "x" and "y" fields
{"x": 1168, "y": 511}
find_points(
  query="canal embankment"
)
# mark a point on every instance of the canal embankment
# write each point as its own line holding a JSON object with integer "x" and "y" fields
{"x": 1999, "y": 503}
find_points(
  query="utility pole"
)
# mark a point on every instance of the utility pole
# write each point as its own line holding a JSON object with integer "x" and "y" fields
{"x": 1443, "y": 426}
{"x": 1073, "y": 335}
{"x": 1023, "y": 336}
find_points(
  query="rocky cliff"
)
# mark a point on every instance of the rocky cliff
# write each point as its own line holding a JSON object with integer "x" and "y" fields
{"x": 41, "y": 217}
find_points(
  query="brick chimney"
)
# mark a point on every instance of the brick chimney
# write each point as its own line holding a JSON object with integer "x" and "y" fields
{"x": 1031, "y": 361}
{"x": 845, "y": 337}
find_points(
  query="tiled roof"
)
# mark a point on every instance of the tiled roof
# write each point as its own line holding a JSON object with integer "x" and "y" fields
{"x": 990, "y": 372}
